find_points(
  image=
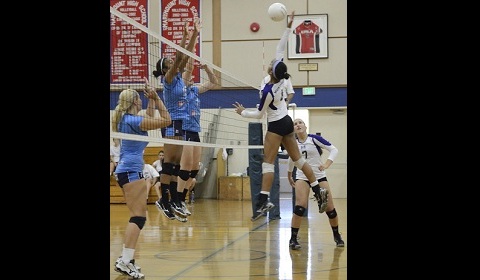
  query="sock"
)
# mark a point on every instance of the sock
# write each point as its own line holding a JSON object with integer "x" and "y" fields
{"x": 262, "y": 197}
{"x": 181, "y": 197}
{"x": 164, "y": 190}
{"x": 173, "y": 191}
{"x": 335, "y": 230}
{"x": 184, "y": 194}
{"x": 294, "y": 233}
{"x": 127, "y": 255}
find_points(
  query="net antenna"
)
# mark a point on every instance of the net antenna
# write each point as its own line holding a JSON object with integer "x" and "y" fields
{"x": 220, "y": 127}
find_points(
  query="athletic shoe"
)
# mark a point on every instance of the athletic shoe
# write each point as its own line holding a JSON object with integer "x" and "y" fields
{"x": 128, "y": 269}
{"x": 294, "y": 245}
{"x": 264, "y": 208}
{"x": 165, "y": 208}
{"x": 322, "y": 199}
{"x": 185, "y": 209}
{"x": 177, "y": 209}
{"x": 181, "y": 218}
{"x": 120, "y": 258}
{"x": 338, "y": 240}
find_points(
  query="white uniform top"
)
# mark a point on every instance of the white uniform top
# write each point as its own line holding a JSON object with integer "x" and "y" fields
{"x": 149, "y": 172}
{"x": 158, "y": 165}
{"x": 311, "y": 153}
{"x": 115, "y": 152}
{"x": 272, "y": 103}
{"x": 287, "y": 85}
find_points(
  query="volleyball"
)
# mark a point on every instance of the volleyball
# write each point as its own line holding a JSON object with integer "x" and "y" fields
{"x": 277, "y": 11}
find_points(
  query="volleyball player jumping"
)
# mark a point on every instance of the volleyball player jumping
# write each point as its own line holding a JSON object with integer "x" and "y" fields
{"x": 280, "y": 130}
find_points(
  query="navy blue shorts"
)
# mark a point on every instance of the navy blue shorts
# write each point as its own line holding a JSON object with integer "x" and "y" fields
{"x": 127, "y": 177}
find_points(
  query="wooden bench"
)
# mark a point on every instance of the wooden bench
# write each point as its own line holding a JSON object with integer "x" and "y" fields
{"x": 116, "y": 195}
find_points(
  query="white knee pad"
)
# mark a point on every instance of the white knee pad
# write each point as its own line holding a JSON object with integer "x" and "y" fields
{"x": 267, "y": 168}
{"x": 299, "y": 163}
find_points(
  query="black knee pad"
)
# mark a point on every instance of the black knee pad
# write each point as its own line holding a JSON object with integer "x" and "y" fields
{"x": 193, "y": 173}
{"x": 176, "y": 170}
{"x": 184, "y": 174}
{"x": 139, "y": 221}
{"x": 167, "y": 168}
{"x": 331, "y": 214}
{"x": 299, "y": 210}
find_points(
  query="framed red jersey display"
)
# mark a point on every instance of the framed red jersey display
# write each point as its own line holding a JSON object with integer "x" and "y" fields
{"x": 309, "y": 38}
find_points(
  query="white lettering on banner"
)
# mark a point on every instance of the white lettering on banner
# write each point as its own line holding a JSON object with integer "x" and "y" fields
{"x": 174, "y": 16}
{"x": 184, "y": 2}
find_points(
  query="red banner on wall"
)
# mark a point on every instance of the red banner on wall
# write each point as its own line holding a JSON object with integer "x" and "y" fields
{"x": 128, "y": 44}
{"x": 174, "y": 14}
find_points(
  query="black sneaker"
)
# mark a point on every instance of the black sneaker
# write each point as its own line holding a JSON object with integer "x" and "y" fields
{"x": 339, "y": 241}
{"x": 165, "y": 208}
{"x": 177, "y": 208}
{"x": 322, "y": 199}
{"x": 294, "y": 245}
{"x": 185, "y": 209}
{"x": 264, "y": 208}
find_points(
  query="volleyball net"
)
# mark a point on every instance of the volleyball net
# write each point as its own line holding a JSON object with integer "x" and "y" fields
{"x": 135, "y": 50}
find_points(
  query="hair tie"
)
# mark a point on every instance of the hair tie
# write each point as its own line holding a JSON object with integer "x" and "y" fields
{"x": 273, "y": 68}
{"x": 161, "y": 65}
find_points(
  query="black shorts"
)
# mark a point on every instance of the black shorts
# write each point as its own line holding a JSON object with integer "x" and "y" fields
{"x": 127, "y": 177}
{"x": 174, "y": 129}
{"x": 282, "y": 127}
{"x": 192, "y": 136}
{"x": 324, "y": 179}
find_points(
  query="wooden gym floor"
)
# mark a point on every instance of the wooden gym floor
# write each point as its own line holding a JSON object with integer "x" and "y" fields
{"x": 220, "y": 242}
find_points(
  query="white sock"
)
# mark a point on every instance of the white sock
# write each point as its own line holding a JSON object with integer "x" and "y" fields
{"x": 127, "y": 255}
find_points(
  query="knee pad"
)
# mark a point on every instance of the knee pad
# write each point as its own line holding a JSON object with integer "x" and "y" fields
{"x": 299, "y": 210}
{"x": 331, "y": 214}
{"x": 176, "y": 170}
{"x": 167, "y": 168}
{"x": 183, "y": 174}
{"x": 268, "y": 168}
{"x": 193, "y": 173}
{"x": 139, "y": 221}
{"x": 299, "y": 163}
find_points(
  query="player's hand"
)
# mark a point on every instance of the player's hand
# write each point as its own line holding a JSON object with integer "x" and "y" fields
{"x": 289, "y": 23}
{"x": 238, "y": 108}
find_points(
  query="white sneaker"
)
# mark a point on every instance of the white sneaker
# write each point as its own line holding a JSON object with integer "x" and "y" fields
{"x": 128, "y": 269}
{"x": 120, "y": 258}
{"x": 185, "y": 209}
{"x": 264, "y": 208}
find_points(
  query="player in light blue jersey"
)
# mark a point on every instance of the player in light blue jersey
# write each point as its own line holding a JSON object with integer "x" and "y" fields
{"x": 273, "y": 103}
{"x": 129, "y": 173}
{"x": 191, "y": 155}
{"x": 311, "y": 147}
{"x": 174, "y": 94}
